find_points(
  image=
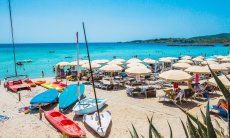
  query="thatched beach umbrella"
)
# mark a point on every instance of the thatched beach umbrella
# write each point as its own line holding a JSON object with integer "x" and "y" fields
{"x": 132, "y": 60}
{"x": 136, "y": 70}
{"x": 119, "y": 60}
{"x": 149, "y": 61}
{"x": 116, "y": 62}
{"x": 181, "y": 65}
{"x": 223, "y": 79}
{"x": 225, "y": 59}
{"x": 175, "y": 76}
{"x": 111, "y": 68}
{"x": 62, "y": 64}
{"x": 101, "y": 61}
{"x": 198, "y": 59}
{"x": 209, "y": 62}
{"x": 135, "y": 64}
{"x": 75, "y": 63}
{"x": 217, "y": 67}
{"x": 201, "y": 57}
{"x": 198, "y": 69}
{"x": 226, "y": 65}
{"x": 93, "y": 65}
{"x": 186, "y": 57}
{"x": 185, "y": 61}
{"x": 165, "y": 60}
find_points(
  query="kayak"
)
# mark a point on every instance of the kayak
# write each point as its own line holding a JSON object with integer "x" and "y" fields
{"x": 88, "y": 105}
{"x": 93, "y": 122}
{"x": 65, "y": 125}
{"x": 69, "y": 96}
{"x": 45, "y": 98}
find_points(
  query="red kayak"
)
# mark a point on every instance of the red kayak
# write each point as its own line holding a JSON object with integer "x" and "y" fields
{"x": 64, "y": 124}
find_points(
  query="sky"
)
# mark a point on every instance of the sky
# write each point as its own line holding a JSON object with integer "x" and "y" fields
{"x": 53, "y": 21}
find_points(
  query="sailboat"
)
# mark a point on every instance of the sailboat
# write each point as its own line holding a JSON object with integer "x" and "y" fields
{"x": 99, "y": 122}
{"x": 87, "y": 105}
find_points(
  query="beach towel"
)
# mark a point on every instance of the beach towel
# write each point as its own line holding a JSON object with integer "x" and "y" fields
{"x": 222, "y": 112}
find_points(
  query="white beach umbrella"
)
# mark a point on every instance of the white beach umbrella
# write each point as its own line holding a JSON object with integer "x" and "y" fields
{"x": 62, "y": 64}
{"x": 138, "y": 70}
{"x": 226, "y": 65}
{"x": 118, "y": 60}
{"x": 198, "y": 69}
{"x": 181, "y": 65}
{"x": 187, "y": 57}
{"x": 149, "y": 61}
{"x": 219, "y": 57}
{"x": 135, "y": 64}
{"x": 101, "y": 61}
{"x": 111, "y": 68}
{"x": 175, "y": 76}
{"x": 93, "y": 65}
{"x": 132, "y": 60}
{"x": 185, "y": 61}
{"x": 209, "y": 62}
{"x": 223, "y": 79}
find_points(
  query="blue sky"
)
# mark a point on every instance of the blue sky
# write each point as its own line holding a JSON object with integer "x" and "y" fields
{"x": 112, "y": 20}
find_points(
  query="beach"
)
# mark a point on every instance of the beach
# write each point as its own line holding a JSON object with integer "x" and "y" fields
{"x": 125, "y": 111}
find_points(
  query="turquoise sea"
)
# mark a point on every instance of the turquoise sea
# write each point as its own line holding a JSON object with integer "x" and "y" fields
{"x": 42, "y": 59}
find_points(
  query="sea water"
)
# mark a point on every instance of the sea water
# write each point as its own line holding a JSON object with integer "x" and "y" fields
{"x": 45, "y": 56}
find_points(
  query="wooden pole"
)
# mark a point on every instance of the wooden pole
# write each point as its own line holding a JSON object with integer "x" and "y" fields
{"x": 19, "y": 96}
{"x": 40, "y": 112}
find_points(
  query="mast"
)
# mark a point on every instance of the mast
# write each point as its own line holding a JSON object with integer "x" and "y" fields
{"x": 91, "y": 72}
{"x": 12, "y": 37}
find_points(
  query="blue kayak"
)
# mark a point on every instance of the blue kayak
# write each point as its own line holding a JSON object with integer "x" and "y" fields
{"x": 45, "y": 98}
{"x": 69, "y": 96}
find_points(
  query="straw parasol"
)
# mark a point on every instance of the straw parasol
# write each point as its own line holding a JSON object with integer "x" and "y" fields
{"x": 62, "y": 64}
{"x": 132, "y": 60}
{"x": 198, "y": 69}
{"x": 135, "y": 64}
{"x": 149, "y": 61}
{"x": 198, "y": 59}
{"x": 209, "y": 62}
{"x": 101, "y": 61}
{"x": 93, "y": 65}
{"x": 111, "y": 68}
{"x": 119, "y": 60}
{"x": 175, "y": 76}
{"x": 185, "y": 61}
{"x": 116, "y": 62}
{"x": 136, "y": 70}
{"x": 217, "y": 67}
{"x": 223, "y": 79}
{"x": 75, "y": 63}
{"x": 226, "y": 65}
{"x": 181, "y": 65}
{"x": 225, "y": 59}
{"x": 186, "y": 57}
{"x": 165, "y": 60}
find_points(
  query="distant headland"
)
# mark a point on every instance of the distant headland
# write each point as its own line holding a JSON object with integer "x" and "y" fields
{"x": 208, "y": 40}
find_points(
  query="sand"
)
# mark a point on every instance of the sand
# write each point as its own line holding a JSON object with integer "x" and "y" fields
{"x": 125, "y": 111}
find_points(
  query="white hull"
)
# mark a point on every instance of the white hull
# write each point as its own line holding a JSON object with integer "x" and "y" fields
{"x": 93, "y": 122}
{"x": 88, "y": 105}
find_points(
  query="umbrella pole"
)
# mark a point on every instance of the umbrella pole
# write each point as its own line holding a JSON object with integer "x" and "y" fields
{"x": 78, "y": 77}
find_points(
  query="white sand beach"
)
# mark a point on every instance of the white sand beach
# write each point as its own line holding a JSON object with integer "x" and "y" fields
{"x": 125, "y": 111}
